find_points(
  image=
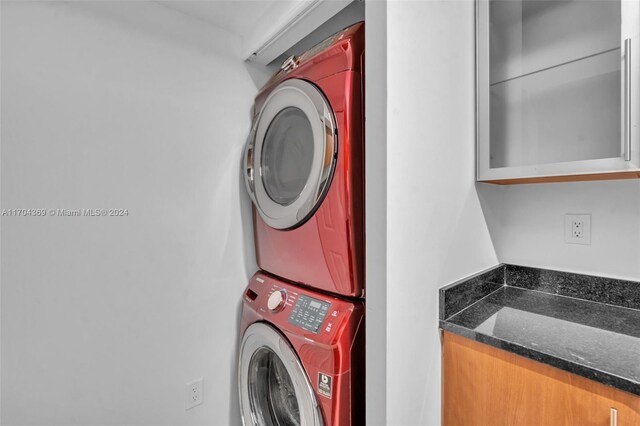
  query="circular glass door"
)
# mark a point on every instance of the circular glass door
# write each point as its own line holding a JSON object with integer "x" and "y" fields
{"x": 290, "y": 154}
{"x": 271, "y": 392}
{"x": 274, "y": 388}
{"x": 287, "y": 155}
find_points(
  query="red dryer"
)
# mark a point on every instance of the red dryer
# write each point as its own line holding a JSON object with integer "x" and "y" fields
{"x": 301, "y": 357}
{"x": 304, "y": 167}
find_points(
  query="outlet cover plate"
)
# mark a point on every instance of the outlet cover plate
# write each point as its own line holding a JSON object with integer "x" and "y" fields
{"x": 194, "y": 394}
{"x": 581, "y": 220}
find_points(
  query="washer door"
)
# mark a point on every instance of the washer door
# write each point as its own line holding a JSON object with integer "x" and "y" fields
{"x": 274, "y": 388}
{"x": 290, "y": 155}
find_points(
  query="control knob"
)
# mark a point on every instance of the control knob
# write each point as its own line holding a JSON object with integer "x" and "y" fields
{"x": 277, "y": 300}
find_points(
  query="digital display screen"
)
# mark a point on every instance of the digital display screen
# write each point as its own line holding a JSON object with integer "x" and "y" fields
{"x": 309, "y": 313}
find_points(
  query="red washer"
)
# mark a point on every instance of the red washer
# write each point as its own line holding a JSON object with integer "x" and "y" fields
{"x": 301, "y": 357}
{"x": 304, "y": 167}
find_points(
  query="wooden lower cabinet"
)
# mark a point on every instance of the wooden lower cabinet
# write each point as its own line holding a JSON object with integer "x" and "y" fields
{"x": 485, "y": 386}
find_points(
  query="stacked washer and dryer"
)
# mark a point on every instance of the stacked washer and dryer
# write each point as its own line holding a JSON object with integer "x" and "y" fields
{"x": 301, "y": 358}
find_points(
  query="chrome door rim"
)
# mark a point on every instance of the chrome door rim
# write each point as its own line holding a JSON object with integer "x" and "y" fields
{"x": 261, "y": 335}
{"x": 306, "y": 97}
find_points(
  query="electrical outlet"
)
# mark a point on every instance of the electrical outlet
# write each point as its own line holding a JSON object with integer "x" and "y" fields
{"x": 577, "y": 226}
{"x": 577, "y": 229}
{"x": 193, "y": 394}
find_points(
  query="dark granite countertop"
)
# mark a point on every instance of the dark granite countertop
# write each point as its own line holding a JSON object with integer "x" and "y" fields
{"x": 529, "y": 314}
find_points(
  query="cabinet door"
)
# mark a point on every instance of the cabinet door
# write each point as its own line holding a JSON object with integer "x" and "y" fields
{"x": 485, "y": 386}
{"x": 558, "y": 91}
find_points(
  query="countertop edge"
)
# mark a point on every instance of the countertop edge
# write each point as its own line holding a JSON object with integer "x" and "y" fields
{"x": 590, "y": 373}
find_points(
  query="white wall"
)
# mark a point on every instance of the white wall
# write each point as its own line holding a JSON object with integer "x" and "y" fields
{"x": 104, "y": 320}
{"x": 435, "y": 230}
{"x": 527, "y": 225}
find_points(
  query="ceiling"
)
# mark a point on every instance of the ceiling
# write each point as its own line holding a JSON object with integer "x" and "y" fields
{"x": 266, "y": 27}
{"x": 240, "y": 17}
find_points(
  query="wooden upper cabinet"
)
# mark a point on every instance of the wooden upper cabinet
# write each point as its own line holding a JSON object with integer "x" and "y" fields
{"x": 558, "y": 90}
{"x": 485, "y": 386}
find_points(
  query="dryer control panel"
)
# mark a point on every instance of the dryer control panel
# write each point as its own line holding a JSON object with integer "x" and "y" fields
{"x": 312, "y": 317}
{"x": 309, "y": 313}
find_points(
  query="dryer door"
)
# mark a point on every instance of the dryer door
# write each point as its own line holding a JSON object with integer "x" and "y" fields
{"x": 291, "y": 153}
{"x": 274, "y": 388}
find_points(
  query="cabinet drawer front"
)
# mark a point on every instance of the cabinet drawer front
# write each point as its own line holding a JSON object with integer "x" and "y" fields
{"x": 486, "y": 386}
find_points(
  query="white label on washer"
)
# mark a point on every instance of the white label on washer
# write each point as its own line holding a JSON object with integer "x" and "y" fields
{"x": 325, "y": 382}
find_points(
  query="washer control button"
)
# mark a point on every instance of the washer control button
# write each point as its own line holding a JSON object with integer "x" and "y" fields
{"x": 277, "y": 300}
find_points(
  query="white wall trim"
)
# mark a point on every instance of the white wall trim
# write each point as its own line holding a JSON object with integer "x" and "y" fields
{"x": 376, "y": 207}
